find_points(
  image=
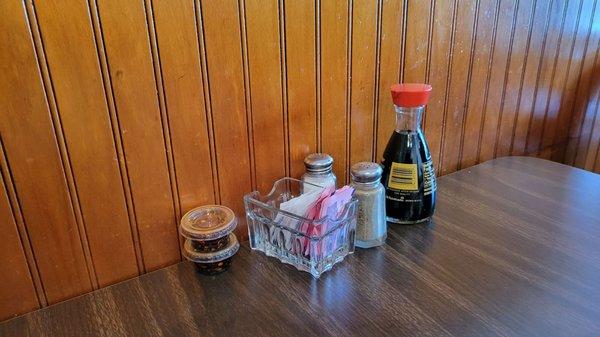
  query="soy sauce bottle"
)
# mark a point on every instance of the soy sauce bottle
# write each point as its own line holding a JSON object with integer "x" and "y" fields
{"x": 408, "y": 173}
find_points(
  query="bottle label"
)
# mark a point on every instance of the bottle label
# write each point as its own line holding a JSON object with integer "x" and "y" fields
{"x": 403, "y": 177}
{"x": 429, "y": 182}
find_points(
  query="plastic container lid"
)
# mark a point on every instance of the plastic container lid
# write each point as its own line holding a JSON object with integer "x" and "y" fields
{"x": 366, "y": 172}
{"x": 318, "y": 162}
{"x": 220, "y": 255}
{"x": 207, "y": 223}
{"x": 410, "y": 95}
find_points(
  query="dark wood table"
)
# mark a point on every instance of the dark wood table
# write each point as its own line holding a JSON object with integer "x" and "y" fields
{"x": 514, "y": 249}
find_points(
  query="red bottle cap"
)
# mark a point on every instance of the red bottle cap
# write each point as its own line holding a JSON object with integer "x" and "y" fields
{"x": 410, "y": 95}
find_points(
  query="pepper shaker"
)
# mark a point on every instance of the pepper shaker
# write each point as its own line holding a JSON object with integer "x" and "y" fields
{"x": 371, "y": 226}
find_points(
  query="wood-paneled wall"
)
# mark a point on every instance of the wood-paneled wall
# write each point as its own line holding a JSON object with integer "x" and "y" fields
{"x": 119, "y": 116}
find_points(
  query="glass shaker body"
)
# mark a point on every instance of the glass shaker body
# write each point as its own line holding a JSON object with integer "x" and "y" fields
{"x": 319, "y": 170}
{"x": 408, "y": 172}
{"x": 371, "y": 226}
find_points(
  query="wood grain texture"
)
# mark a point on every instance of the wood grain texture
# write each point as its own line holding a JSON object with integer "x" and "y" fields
{"x": 545, "y": 77}
{"x": 571, "y": 86}
{"x": 222, "y": 36}
{"x": 334, "y": 84}
{"x": 301, "y": 76}
{"x": 556, "y": 117}
{"x": 391, "y": 68}
{"x": 478, "y": 82}
{"x": 502, "y": 40}
{"x": 184, "y": 92}
{"x": 264, "y": 61}
{"x": 529, "y": 82}
{"x": 365, "y": 22}
{"x": 35, "y": 165}
{"x": 118, "y": 117}
{"x": 458, "y": 84}
{"x": 88, "y": 137}
{"x": 519, "y": 49}
{"x": 509, "y": 252}
{"x": 580, "y": 119}
{"x": 18, "y": 293}
{"x": 439, "y": 71}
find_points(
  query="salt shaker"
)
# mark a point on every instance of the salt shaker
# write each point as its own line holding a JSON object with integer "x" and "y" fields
{"x": 319, "y": 170}
{"x": 371, "y": 227}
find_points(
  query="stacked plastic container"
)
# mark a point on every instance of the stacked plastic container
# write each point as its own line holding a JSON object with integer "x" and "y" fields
{"x": 209, "y": 239}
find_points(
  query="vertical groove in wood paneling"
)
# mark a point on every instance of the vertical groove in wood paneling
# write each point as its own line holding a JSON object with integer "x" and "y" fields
{"x": 557, "y": 133}
{"x": 264, "y": 80}
{"x": 18, "y": 293}
{"x": 529, "y": 83}
{"x": 207, "y": 101}
{"x": 15, "y": 207}
{"x": 438, "y": 75}
{"x": 469, "y": 81}
{"x": 551, "y": 115}
{"x": 561, "y": 132}
{"x": 30, "y": 144}
{"x": 448, "y": 83}
{"x": 457, "y": 92}
{"x": 592, "y": 145}
{"x": 597, "y": 161}
{"x": 587, "y": 133}
{"x": 180, "y": 63}
{"x": 487, "y": 84}
{"x": 377, "y": 75}
{"x": 318, "y": 78}
{"x": 514, "y": 77}
{"x": 37, "y": 297}
{"x": 228, "y": 102}
{"x": 479, "y": 82}
{"x": 60, "y": 137}
{"x": 116, "y": 133}
{"x": 247, "y": 91}
{"x": 333, "y": 35}
{"x": 349, "y": 88}
{"x": 575, "y": 120}
{"x": 417, "y": 40}
{"x": 301, "y": 81}
{"x": 164, "y": 119}
{"x": 134, "y": 87}
{"x": 284, "y": 90}
{"x": 364, "y": 62}
{"x": 549, "y": 46}
{"x": 585, "y": 107}
{"x": 506, "y": 77}
{"x": 392, "y": 21}
{"x": 402, "y": 56}
{"x": 507, "y": 13}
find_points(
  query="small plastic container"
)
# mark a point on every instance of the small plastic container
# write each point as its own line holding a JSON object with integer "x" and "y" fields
{"x": 210, "y": 243}
{"x": 212, "y": 263}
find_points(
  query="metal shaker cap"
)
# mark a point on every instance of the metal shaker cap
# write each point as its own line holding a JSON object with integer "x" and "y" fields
{"x": 318, "y": 162}
{"x": 366, "y": 172}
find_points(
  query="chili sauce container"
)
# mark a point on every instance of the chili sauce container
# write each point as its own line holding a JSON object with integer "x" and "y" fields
{"x": 212, "y": 263}
{"x": 209, "y": 243}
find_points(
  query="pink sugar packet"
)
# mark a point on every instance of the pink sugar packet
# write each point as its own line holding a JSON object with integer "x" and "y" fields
{"x": 331, "y": 206}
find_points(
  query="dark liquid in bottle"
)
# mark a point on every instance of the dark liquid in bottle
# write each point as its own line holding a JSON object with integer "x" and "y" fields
{"x": 409, "y": 178}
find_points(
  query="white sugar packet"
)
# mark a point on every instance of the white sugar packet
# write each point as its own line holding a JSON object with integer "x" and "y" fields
{"x": 298, "y": 206}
